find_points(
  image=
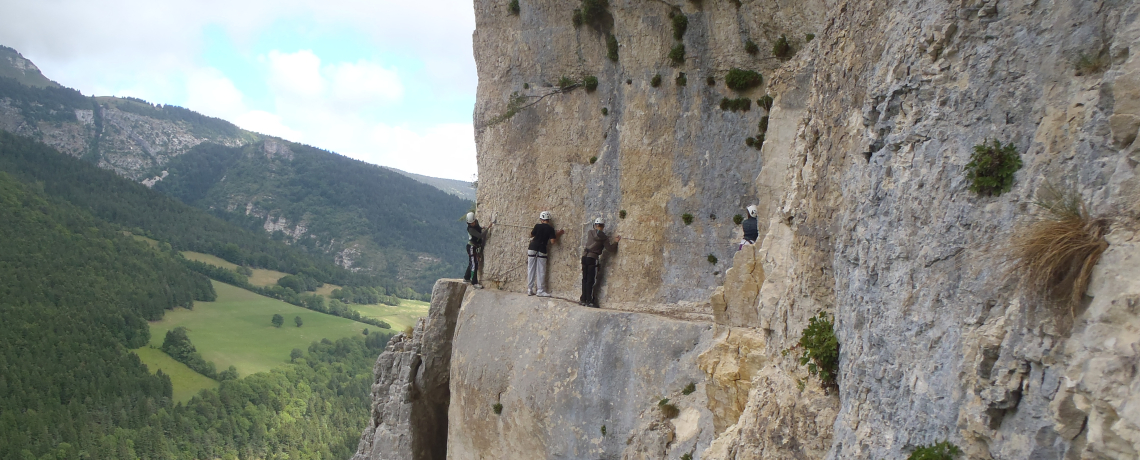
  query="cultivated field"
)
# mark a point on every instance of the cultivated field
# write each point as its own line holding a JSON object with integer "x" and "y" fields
{"x": 399, "y": 317}
{"x": 236, "y": 329}
{"x": 187, "y": 383}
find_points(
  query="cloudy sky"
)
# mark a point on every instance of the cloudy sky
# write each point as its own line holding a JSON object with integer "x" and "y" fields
{"x": 383, "y": 81}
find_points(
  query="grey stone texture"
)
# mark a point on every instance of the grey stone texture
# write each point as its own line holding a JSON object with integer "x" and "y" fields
{"x": 411, "y": 391}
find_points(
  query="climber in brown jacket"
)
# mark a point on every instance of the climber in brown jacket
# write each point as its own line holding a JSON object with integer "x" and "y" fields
{"x": 596, "y": 242}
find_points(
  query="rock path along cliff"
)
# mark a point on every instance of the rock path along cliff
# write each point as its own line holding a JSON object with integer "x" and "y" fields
{"x": 865, "y": 207}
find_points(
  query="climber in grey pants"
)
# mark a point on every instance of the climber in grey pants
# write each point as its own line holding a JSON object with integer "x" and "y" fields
{"x": 542, "y": 236}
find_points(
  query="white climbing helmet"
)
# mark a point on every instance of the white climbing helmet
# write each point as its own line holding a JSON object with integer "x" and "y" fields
{"x": 752, "y": 210}
{"x": 599, "y": 221}
{"x": 544, "y": 215}
{"x": 470, "y": 217}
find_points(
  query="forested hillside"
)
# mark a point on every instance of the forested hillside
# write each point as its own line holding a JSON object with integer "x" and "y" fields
{"x": 371, "y": 219}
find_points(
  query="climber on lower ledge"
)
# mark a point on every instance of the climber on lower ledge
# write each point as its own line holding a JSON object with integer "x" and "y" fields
{"x": 477, "y": 237}
{"x": 750, "y": 229}
{"x": 542, "y": 236}
{"x": 596, "y": 242}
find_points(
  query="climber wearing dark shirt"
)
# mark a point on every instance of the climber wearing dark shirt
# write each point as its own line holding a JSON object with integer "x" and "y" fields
{"x": 477, "y": 237}
{"x": 751, "y": 231}
{"x": 542, "y": 236}
{"x": 596, "y": 242}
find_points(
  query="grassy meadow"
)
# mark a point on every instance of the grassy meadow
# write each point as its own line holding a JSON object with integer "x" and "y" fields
{"x": 399, "y": 317}
{"x": 236, "y": 329}
{"x": 187, "y": 383}
{"x": 261, "y": 277}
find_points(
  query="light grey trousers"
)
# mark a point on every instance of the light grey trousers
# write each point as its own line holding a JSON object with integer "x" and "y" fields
{"x": 535, "y": 272}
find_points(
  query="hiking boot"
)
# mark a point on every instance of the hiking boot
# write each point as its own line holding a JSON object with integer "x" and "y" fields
{"x": 477, "y": 286}
{"x": 544, "y": 294}
{"x": 529, "y": 292}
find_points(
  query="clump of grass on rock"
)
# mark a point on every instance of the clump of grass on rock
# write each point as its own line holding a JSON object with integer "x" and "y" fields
{"x": 740, "y": 79}
{"x": 939, "y": 451}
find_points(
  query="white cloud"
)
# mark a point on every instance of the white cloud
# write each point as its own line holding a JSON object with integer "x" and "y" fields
{"x": 296, "y": 74}
{"x": 362, "y": 83}
{"x": 211, "y": 93}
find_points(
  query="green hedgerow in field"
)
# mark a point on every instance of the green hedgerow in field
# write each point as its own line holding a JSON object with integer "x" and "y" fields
{"x": 680, "y": 25}
{"x": 750, "y": 47}
{"x": 498, "y": 408}
{"x": 782, "y": 48}
{"x": 681, "y": 80}
{"x": 655, "y": 81}
{"x": 712, "y": 259}
{"x": 821, "y": 348}
{"x": 737, "y": 219}
{"x": 809, "y": 37}
{"x": 677, "y": 54}
{"x": 763, "y": 125}
{"x": 593, "y": 160}
{"x": 991, "y": 168}
{"x": 741, "y": 103}
{"x": 591, "y": 83}
{"x": 621, "y": 214}
{"x": 687, "y": 218}
{"x": 709, "y": 80}
{"x": 741, "y": 80}
{"x": 765, "y": 101}
{"x": 689, "y": 389}
{"x": 611, "y": 47}
{"x": 670, "y": 411}
{"x": 940, "y": 451}
{"x": 605, "y": 111}
{"x": 566, "y": 82}
{"x": 513, "y": 7}
{"x": 749, "y": 141}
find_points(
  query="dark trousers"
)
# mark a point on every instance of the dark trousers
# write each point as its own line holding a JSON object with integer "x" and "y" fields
{"x": 474, "y": 256}
{"x": 589, "y": 279}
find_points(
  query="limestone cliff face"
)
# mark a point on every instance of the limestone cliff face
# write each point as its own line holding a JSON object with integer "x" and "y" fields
{"x": 865, "y": 211}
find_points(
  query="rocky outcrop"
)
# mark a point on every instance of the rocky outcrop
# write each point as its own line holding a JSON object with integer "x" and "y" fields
{"x": 410, "y": 393}
{"x": 548, "y": 379}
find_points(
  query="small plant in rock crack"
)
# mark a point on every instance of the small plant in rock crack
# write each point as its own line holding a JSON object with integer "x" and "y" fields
{"x": 1088, "y": 64}
{"x": 655, "y": 81}
{"x": 677, "y": 54}
{"x": 576, "y": 18}
{"x": 759, "y": 141}
{"x": 765, "y": 101}
{"x": 763, "y": 125}
{"x": 681, "y": 80}
{"x": 611, "y": 47}
{"x": 712, "y": 259}
{"x": 593, "y": 160}
{"x": 712, "y": 216}
{"x": 687, "y": 218}
{"x": 591, "y": 83}
{"x": 689, "y": 389}
{"x": 991, "y": 168}
{"x": 513, "y": 7}
{"x": 820, "y": 349}
{"x": 605, "y": 111}
{"x": 740, "y": 79}
{"x": 741, "y": 103}
{"x": 687, "y": 457}
{"x": 680, "y": 25}
{"x": 750, "y": 141}
{"x": 621, "y": 214}
{"x": 782, "y": 49}
{"x": 565, "y": 83}
{"x": 939, "y": 451}
{"x": 669, "y": 410}
{"x": 498, "y": 408}
{"x": 737, "y": 219}
{"x": 809, "y": 37}
{"x": 526, "y": 85}
{"x": 750, "y": 47}
{"x": 603, "y": 430}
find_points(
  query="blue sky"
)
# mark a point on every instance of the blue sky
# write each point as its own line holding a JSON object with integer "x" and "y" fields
{"x": 390, "y": 83}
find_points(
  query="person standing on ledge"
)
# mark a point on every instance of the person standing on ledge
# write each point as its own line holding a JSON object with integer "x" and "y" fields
{"x": 750, "y": 230}
{"x": 596, "y": 242}
{"x": 477, "y": 237}
{"x": 542, "y": 235}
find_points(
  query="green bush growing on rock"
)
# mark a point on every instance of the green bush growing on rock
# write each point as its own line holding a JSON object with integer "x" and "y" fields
{"x": 709, "y": 80}
{"x": 737, "y": 219}
{"x": 591, "y": 83}
{"x": 513, "y": 7}
{"x": 565, "y": 83}
{"x": 939, "y": 451}
{"x": 712, "y": 216}
{"x": 603, "y": 430}
{"x": 741, "y": 103}
{"x": 765, "y": 102}
{"x": 677, "y": 54}
{"x": 680, "y": 25}
{"x": 611, "y": 47}
{"x": 749, "y": 141}
{"x": 498, "y": 408}
{"x": 681, "y": 80}
{"x": 605, "y": 111}
{"x": 593, "y": 160}
{"x": 712, "y": 259}
{"x": 593, "y": 12}
{"x": 629, "y": 81}
{"x": 821, "y": 349}
{"x": 991, "y": 168}
{"x": 621, "y": 214}
{"x": 809, "y": 37}
{"x": 740, "y": 79}
{"x": 782, "y": 49}
{"x": 576, "y": 19}
{"x": 759, "y": 141}
{"x": 750, "y": 47}
{"x": 526, "y": 85}
{"x": 763, "y": 125}
{"x": 655, "y": 81}
{"x": 687, "y": 218}
{"x": 669, "y": 410}
{"x": 687, "y": 457}
{"x": 689, "y": 389}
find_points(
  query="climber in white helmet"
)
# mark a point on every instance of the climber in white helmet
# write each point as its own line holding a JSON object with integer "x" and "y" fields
{"x": 477, "y": 237}
{"x": 751, "y": 231}
{"x": 596, "y": 242}
{"x": 542, "y": 236}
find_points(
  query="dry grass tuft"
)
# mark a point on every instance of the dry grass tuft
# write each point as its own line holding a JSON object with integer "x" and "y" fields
{"x": 1055, "y": 256}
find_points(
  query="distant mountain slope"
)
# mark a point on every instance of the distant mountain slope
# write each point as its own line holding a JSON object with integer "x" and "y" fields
{"x": 395, "y": 227}
{"x": 462, "y": 189}
{"x": 14, "y": 65}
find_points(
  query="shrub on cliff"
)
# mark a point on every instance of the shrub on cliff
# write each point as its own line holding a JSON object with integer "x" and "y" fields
{"x": 740, "y": 80}
{"x": 740, "y": 103}
{"x": 590, "y": 82}
{"x": 821, "y": 349}
{"x": 513, "y": 7}
{"x": 750, "y": 47}
{"x": 677, "y": 54}
{"x": 782, "y": 49}
{"x": 939, "y": 451}
{"x": 611, "y": 47}
{"x": 765, "y": 101}
{"x": 680, "y": 25}
{"x": 681, "y": 80}
{"x": 655, "y": 81}
{"x": 991, "y": 168}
